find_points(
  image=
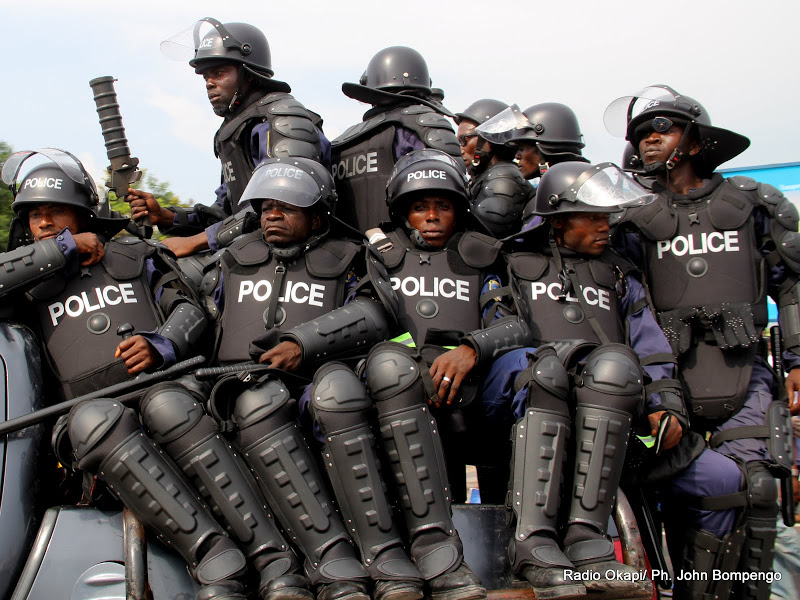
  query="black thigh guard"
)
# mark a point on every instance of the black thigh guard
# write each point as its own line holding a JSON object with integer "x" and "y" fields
{"x": 343, "y": 410}
{"x": 109, "y": 442}
{"x": 274, "y": 448}
{"x": 702, "y": 554}
{"x": 539, "y": 440}
{"x": 416, "y": 459}
{"x": 178, "y": 423}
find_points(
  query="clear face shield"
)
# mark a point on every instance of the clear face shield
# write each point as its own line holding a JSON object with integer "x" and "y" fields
{"x": 605, "y": 187}
{"x": 284, "y": 182}
{"x": 504, "y": 125}
{"x": 64, "y": 160}
{"x": 622, "y": 110}
{"x": 207, "y": 34}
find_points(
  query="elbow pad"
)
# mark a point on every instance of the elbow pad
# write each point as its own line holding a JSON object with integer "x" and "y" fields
{"x": 25, "y": 266}
{"x": 183, "y": 327}
{"x": 789, "y": 317}
{"x": 505, "y": 334}
{"x": 234, "y": 226}
{"x": 354, "y": 327}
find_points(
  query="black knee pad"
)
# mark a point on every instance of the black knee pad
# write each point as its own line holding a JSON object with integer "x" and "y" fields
{"x": 169, "y": 411}
{"x": 549, "y": 385}
{"x": 394, "y": 372}
{"x": 612, "y": 377}
{"x": 338, "y": 399}
{"x": 95, "y": 427}
{"x": 262, "y": 407}
{"x": 762, "y": 491}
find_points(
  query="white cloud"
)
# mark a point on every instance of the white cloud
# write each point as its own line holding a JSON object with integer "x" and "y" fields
{"x": 191, "y": 122}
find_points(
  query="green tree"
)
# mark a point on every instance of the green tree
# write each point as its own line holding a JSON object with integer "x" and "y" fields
{"x": 6, "y": 197}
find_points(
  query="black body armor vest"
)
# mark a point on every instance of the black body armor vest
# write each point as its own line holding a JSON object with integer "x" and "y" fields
{"x": 536, "y": 283}
{"x": 362, "y": 159}
{"x": 703, "y": 264}
{"x": 439, "y": 291}
{"x": 78, "y": 318}
{"x": 311, "y": 285}
{"x": 292, "y": 132}
{"x": 498, "y": 197}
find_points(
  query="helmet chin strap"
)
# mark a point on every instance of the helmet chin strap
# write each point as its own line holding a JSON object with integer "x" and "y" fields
{"x": 416, "y": 237}
{"x": 675, "y": 158}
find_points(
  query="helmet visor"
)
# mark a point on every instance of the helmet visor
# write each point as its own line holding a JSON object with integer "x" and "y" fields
{"x": 606, "y": 187}
{"x": 282, "y": 181}
{"x": 206, "y": 33}
{"x": 504, "y": 125}
{"x": 66, "y": 162}
{"x": 622, "y": 110}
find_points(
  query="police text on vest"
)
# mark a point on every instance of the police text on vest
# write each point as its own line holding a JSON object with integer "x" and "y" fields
{"x": 592, "y": 296}
{"x": 75, "y": 306}
{"x": 297, "y": 293}
{"x": 423, "y": 286}
{"x": 716, "y": 241}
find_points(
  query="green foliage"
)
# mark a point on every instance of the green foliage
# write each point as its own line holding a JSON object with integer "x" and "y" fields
{"x": 6, "y": 197}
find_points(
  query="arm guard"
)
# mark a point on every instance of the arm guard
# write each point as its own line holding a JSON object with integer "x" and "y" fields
{"x": 355, "y": 326}
{"x": 25, "y": 266}
{"x": 235, "y": 225}
{"x": 789, "y": 315}
{"x": 668, "y": 390}
{"x": 183, "y": 327}
{"x": 505, "y": 334}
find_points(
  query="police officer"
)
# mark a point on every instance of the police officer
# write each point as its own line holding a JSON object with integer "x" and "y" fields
{"x": 588, "y": 316}
{"x": 498, "y": 193}
{"x": 281, "y": 297}
{"x": 81, "y": 290}
{"x": 438, "y": 269}
{"x": 261, "y": 119}
{"x": 406, "y": 115}
{"x": 476, "y": 113}
{"x": 711, "y": 249}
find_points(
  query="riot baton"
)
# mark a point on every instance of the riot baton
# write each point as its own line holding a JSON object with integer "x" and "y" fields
{"x": 126, "y": 388}
{"x": 787, "y": 492}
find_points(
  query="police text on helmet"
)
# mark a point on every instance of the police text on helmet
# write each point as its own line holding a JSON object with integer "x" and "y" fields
{"x": 75, "y": 306}
{"x": 716, "y": 241}
{"x": 429, "y": 174}
{"x": 296, "y": 293}
{"x": 423, "y": 286}
{"x": 48, "y": 182}
{"x": 592, "y": 296}
{"x": 356, "y": 165}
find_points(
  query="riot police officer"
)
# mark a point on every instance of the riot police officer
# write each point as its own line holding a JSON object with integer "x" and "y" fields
{"x": 711, "y": 249}
{"x": 476, "y": 113}
{"x": 406, "y": 115}
{"x": 588, "y": 317}
{"x": 261, "y": 119}
{"x": 82, "y": 289}
{"x": 438, "y": 268}
{"x": 498, "y": 193}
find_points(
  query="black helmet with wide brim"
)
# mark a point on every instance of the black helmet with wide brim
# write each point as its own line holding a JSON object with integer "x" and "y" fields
{"x": 394, "y": 74}
{"x": 62, "y": 179}
{"x": 626, "y": 116}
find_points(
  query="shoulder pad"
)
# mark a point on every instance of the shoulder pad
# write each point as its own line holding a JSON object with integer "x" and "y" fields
{"x": 478, "y": 250}
{"x": 359, "y": 129}
{"x": 279, "y": 103}
{"x": 249, "y": 249}
{"x": 743, "y": 183}
{"x": 616, "y": 260}
{"x": 331, "y": 258}
{"x": 656, "y": 221}
{"x": 528, "y": 265}
{"x": 769, "y": 194}
{"x": 603, "y": 272}
{"x": 506, "y": 180}
{"x": 730, "y": 206}
{"x": 125, "y": 257}
{"x": 778, "y": 206}
{"x": 395, "y": 255}
{"x": 789, "y": 249}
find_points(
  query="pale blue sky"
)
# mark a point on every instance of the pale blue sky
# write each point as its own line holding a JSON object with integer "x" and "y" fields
{"x": 737, "y": 58}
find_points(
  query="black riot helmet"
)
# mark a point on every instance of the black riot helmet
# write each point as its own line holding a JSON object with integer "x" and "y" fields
{"x": 571, "y": 186}
{"x": 426, "y": 171}
{"x": 392, "y": 74}
{"x": 481, "y": 111}
{"x": 298, "y": 181}
{"x": 554, "y": 128}
{"x": 631, "y": 161}
{"x": 209, "y": 43}
{"x": 62, "y": 179}
{"x": 660, "y": 106}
